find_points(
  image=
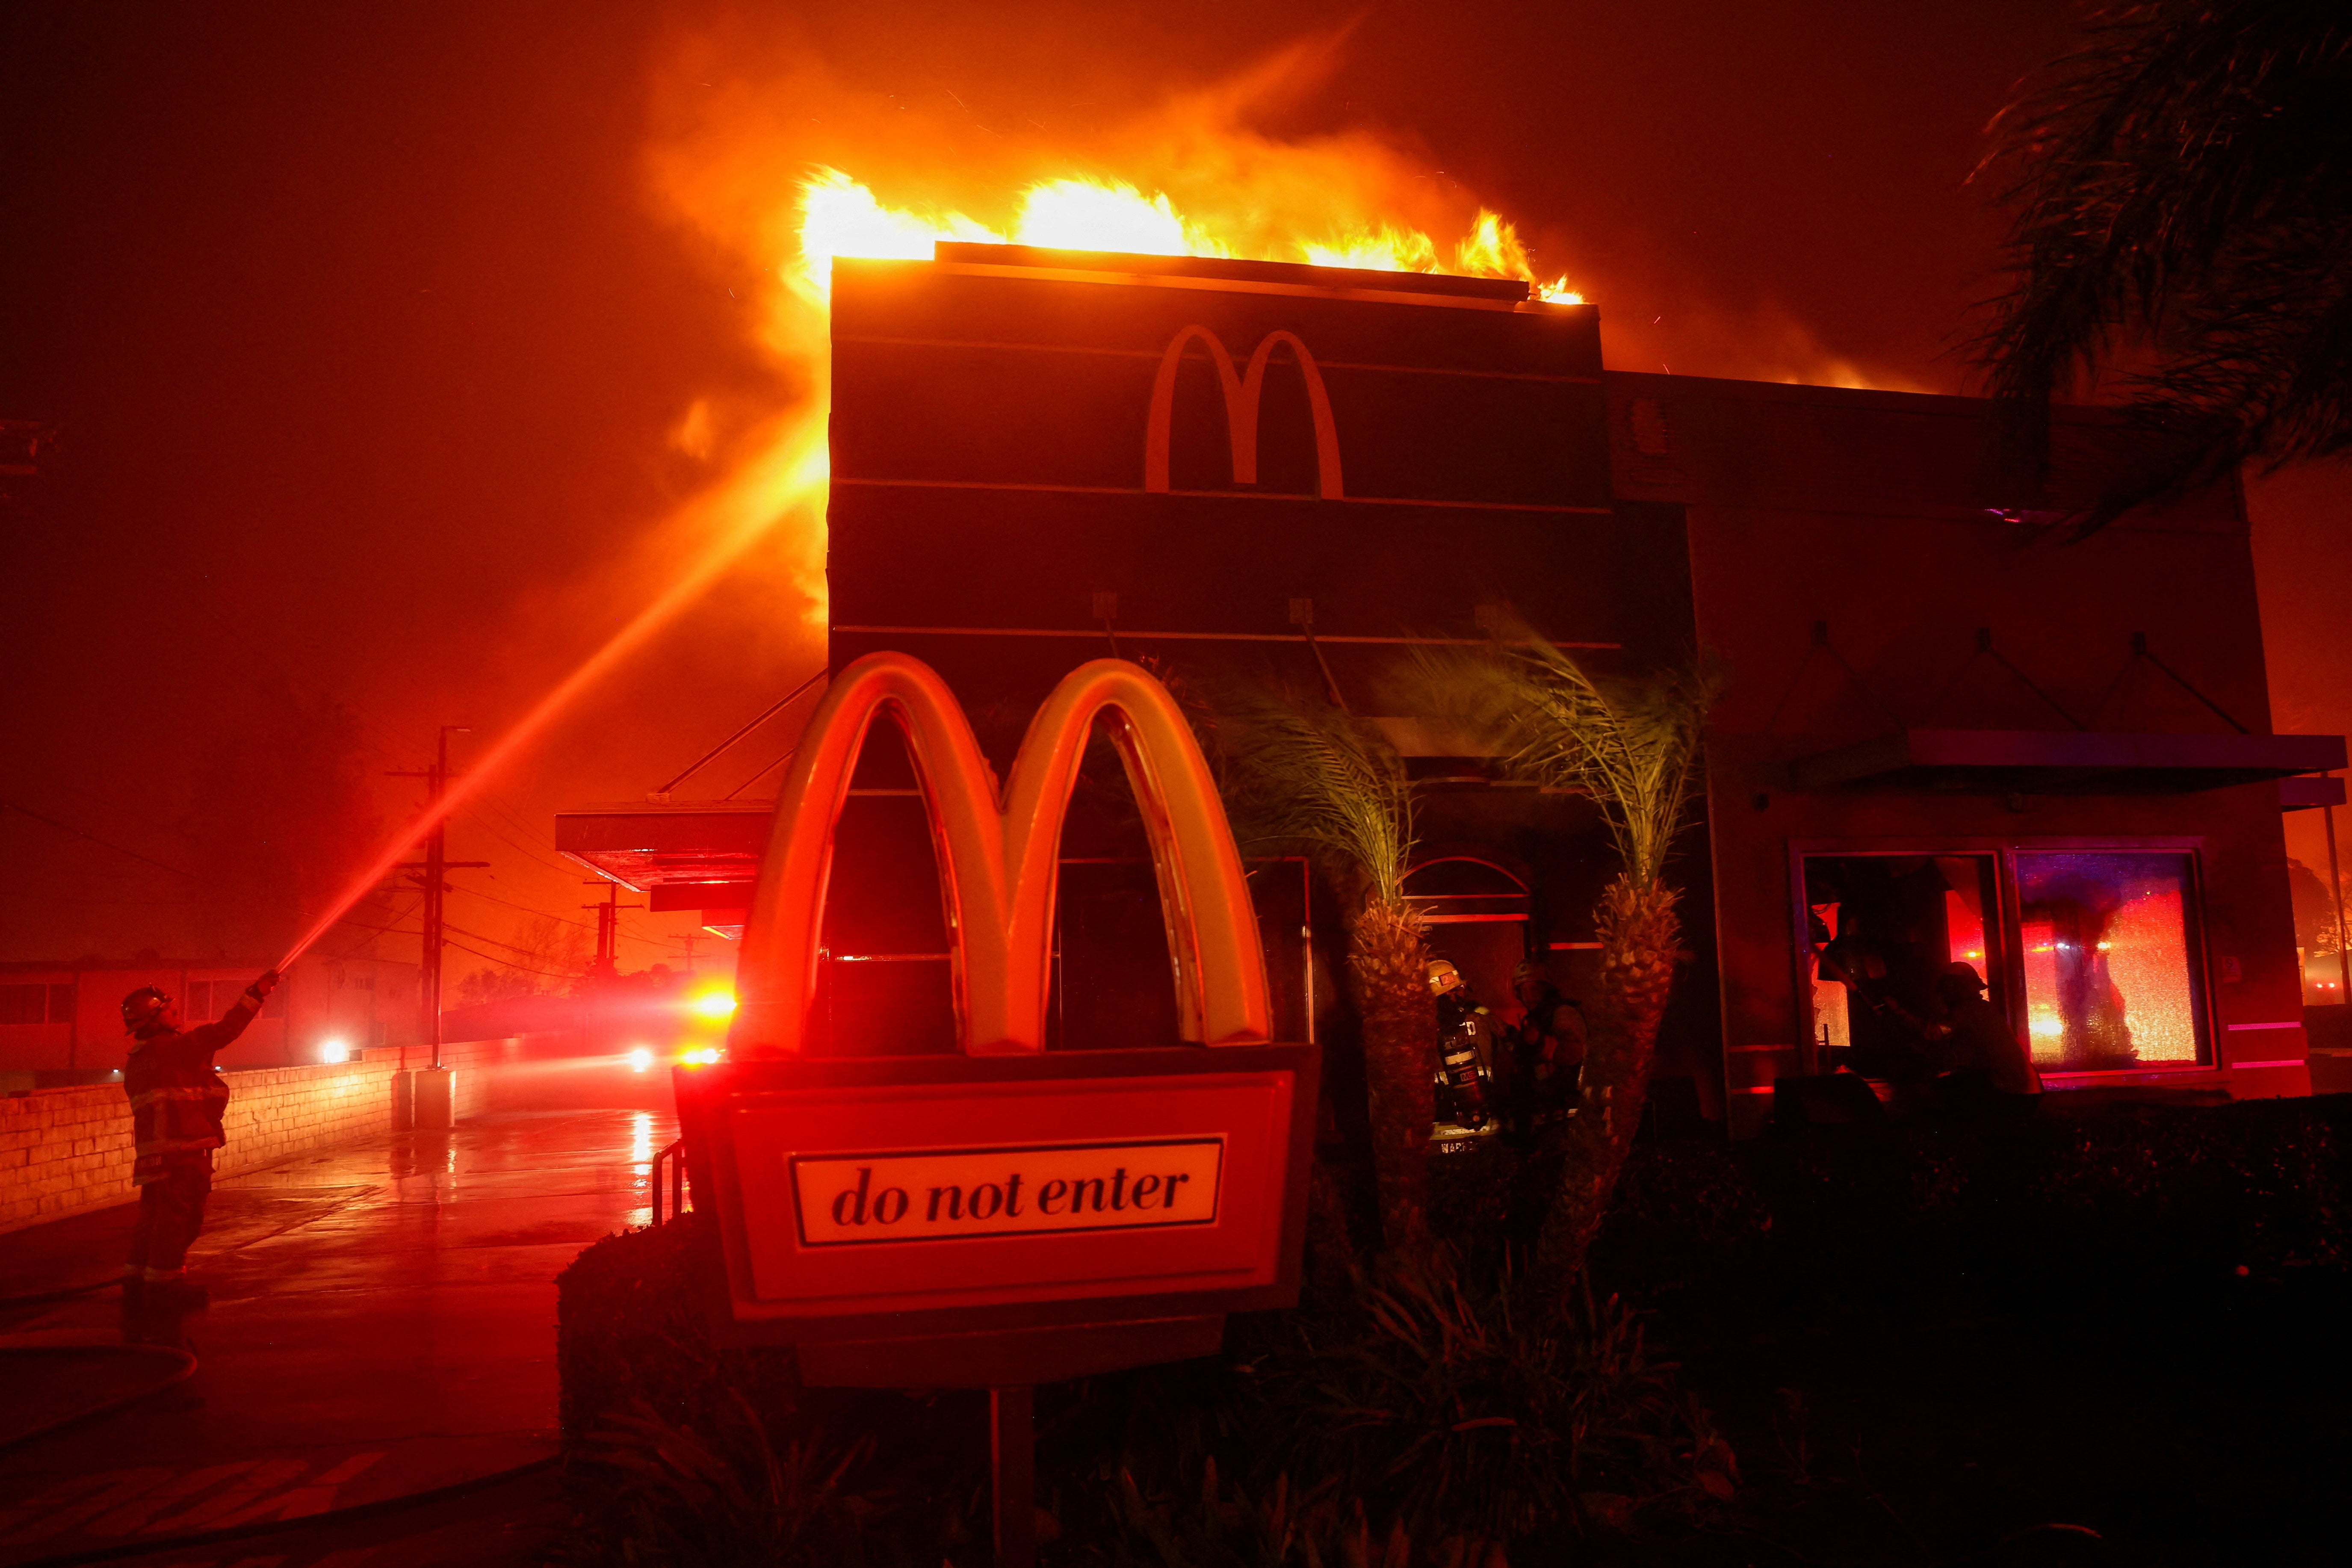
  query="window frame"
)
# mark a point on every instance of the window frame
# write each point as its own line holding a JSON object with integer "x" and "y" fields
{"x": 2004, "y": 852}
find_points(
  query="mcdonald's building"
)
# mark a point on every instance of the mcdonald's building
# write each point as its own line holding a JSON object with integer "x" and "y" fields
{"x": 1949, "y": 734}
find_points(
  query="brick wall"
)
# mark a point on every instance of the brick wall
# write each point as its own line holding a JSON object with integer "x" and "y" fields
{"x": 65, "y": 1150}
{"x": 478, "y": 1062}
{"x": 273, "y": 1112}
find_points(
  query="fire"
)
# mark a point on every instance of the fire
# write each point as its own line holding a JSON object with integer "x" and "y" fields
{"x": 1108, "y": 215}
{"x": 840, "y": 217}
{"x": 788, "y": 170}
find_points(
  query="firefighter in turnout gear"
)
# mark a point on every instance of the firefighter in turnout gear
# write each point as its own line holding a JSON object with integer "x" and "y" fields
{"x": 177, "y": 1103}
{"x": 1547, "y": 1051}
{"x": 1464, "y": 1050}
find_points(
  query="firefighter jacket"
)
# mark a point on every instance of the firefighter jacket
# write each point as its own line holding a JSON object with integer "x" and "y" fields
{"x": 177, "y": 1101}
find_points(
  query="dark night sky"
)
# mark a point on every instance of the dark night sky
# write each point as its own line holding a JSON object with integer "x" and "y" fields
{"x": 367, "y": 333}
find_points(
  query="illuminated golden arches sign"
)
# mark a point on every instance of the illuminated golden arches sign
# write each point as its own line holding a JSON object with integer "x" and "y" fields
{"x": 1242, "y": 391}
{"x": 999, "y": 856}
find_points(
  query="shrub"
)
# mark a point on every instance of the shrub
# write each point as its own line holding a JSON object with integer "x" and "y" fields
{"x": 669, "y": 1494}
{"x": 1442, "y": 1413}
{"x": 1438, "y": 1414}
{"x": 2077, "y": 1198}
{"x": 633, "y": 1334}
{"x": 1463, "y": 1406}
{"x": 685, "y": 1450}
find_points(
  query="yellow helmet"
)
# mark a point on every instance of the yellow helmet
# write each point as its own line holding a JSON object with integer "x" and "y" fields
{"x": 1444, "y": 977}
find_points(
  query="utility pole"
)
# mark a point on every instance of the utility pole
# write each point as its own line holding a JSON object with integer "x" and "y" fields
{"x": 608, "y": 930}
{"x": 431, "y": 872}
{"x": 604, "y": 976}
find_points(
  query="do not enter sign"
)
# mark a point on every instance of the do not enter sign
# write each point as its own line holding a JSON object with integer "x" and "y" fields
{"x": 863, "y": 1199}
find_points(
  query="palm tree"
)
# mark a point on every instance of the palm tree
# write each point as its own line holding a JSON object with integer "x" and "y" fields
{"x": 2182, "y": 187}
{"x": 1304, "y": 771}
{"x": 1632, "y": 748}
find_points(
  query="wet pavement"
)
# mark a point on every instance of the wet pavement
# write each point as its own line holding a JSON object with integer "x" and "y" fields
{"x": 379, "y": 1321}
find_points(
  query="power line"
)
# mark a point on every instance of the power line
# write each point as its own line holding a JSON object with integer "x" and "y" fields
{"x": 767, "y": 713}
{"x": 490, "y": 958}
{"x": 526, "y": 909}
{"x": 763, "y": 772}
{"x": 494, "y": 942}
{"x": 497, "y": 832}
{"x": 508, "y": 963}
{"x": 583, "y": 925}
{"x": 102, "y": 843}
{"x": 390, "y": 930}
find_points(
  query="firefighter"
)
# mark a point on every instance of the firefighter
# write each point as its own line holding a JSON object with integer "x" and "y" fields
{"x": 1465, "y": 1064}
{"x": 177, "y": 1103}
{"x": 1986, "y": 1065}
{"x": 1546, "y": 1050}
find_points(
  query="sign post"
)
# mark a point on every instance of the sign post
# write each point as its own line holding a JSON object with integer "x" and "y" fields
{"x": 1013, "y": 1469}
{"x": 1004, "y": 1216}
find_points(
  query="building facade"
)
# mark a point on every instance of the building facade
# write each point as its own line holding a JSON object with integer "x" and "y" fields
{"x": 1948, "y": 735}
{"x": 66, "y": 1018}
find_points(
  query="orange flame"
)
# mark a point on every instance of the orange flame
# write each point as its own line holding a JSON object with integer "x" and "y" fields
{"x": 840, "y": 217}
{"x": 790, "y": 170}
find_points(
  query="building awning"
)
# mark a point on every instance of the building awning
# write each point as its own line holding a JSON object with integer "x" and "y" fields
{"x": 2063, "y": 761}
{"x": 2306, "y": 794}
{"x": 689, "y": 855}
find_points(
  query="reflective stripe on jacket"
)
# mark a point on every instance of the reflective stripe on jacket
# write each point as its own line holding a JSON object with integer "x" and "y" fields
{"x": 177, "y": 1101}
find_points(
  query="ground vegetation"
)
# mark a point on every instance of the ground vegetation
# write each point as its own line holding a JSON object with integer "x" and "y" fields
{"x": 2096, "y": 1337}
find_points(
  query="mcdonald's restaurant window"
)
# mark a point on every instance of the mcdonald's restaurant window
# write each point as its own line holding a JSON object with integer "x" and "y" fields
{"x": 2105, "y": 941}
{"x": 2108, "y": 940}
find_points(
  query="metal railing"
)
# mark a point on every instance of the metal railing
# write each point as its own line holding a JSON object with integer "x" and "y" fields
{"x": 676, "y": 1155}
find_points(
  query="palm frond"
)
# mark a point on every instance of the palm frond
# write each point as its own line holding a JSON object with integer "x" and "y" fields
{"x": 1303, "y": 772}
{"x": 1633, "y": 746}
{"x": 2181, "y": 185}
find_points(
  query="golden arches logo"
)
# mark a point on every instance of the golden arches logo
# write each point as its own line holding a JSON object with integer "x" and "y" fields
{"x": 999, "y": 856}
{"x": 1242, "y": 391}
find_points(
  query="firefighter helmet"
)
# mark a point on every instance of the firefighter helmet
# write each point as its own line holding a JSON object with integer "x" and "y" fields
{"x": 144, "y": 1008}
{"x": 1444, "y": 977}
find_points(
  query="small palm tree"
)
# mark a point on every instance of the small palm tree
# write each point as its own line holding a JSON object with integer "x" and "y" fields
{"x": 1304, "y": 771}
{"x": 1632, "y": 748}
{"x": 2180, "y": 199}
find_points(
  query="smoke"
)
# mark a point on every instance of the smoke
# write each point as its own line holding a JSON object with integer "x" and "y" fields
{"x": 742, "y": 122}
{"x": 742, "y": 114}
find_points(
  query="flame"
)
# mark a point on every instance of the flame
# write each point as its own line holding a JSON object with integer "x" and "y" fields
{"x": 842, "y": 216}
{"x": 1109, "y": 214}
{"x": 789, "y": 170}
